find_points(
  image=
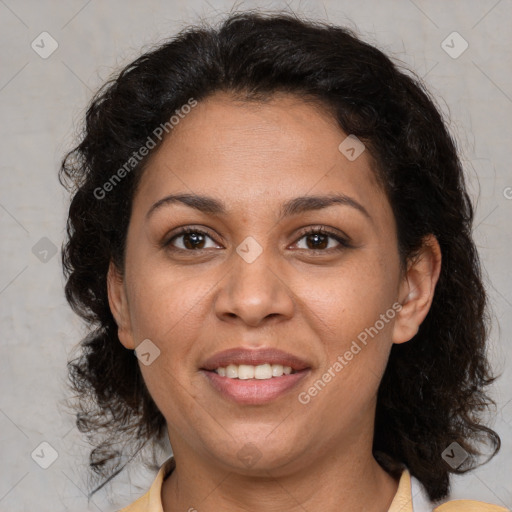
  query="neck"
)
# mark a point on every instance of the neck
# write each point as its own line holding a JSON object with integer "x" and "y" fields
{"x": 329, "y": 483}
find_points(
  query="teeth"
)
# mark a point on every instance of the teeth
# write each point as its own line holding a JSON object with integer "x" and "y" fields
{"x": 247, "y": 371}
{"x": 232, "y": 371}
{"x": 263, "y": 371}
{"x": 277, "y": 370}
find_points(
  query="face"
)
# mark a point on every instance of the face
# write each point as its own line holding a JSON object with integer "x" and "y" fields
{"x": 254, "y": 273}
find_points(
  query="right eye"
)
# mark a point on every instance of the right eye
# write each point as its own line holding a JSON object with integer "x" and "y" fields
{"x": 193, "y": 239}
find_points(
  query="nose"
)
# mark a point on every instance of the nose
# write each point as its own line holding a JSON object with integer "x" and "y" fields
{"x": 254, "y": 292}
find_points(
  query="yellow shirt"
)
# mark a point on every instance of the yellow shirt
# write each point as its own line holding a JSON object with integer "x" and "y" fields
{"x": 402, "y": 502}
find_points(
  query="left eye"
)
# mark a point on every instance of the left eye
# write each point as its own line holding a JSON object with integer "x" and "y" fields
{"x": 319, "y": 240}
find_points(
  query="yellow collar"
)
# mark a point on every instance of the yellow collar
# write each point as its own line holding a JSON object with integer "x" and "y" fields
{"x": 402, "y": 502}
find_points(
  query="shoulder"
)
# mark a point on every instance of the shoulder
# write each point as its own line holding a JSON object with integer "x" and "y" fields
{"x": 421, "y": 502}
{"x": 469, "y": 506}
{"x": 140, "y": 505}
{"x": 152, "y": 500}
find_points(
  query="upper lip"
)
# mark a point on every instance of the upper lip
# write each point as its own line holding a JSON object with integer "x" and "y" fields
{"x": 254, "y": 357}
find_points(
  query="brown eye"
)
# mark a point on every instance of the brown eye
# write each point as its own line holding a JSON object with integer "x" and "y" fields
{"x": 192, "y": 239}
{"x": 318, "y": 239}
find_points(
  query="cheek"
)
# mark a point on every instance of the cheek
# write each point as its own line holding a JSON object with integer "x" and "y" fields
{"x": 351, "y": 298}
{"x": 165, "y": 307}
{"x": 165, "y": 302}
{"x": 353, "y": 313}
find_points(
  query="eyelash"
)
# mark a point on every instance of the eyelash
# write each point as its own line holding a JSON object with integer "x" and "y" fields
{"x": 343, "y": 242}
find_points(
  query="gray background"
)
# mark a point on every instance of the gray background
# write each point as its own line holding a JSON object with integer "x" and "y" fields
{"x": 42, "y": 101}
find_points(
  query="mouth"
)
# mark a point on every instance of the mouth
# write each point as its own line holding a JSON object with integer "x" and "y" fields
{"x": 254, "y": 377}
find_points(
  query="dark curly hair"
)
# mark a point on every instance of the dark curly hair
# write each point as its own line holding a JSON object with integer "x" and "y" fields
{"x": 432, "y": 391}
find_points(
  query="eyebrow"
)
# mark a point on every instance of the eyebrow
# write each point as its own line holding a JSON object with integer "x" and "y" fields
{"x": 294, "y": 206}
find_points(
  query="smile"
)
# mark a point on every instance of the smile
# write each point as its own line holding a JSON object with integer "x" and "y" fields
{"x": 253, "y": 377}
{"x": 248, "y": 390}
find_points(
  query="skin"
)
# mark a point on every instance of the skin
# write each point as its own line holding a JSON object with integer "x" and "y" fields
{"x": 192, "y": 304}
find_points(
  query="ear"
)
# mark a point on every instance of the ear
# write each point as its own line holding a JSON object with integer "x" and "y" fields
{"x": 119, "y": 306}
{"x": 417, "y": 289}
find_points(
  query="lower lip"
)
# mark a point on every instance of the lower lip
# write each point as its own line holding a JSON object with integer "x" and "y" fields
{"x": 254, "y": 391}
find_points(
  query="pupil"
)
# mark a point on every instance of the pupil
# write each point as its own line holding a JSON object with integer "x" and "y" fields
{"x": 316, "y": 236}
{"x": 195, "y": 237}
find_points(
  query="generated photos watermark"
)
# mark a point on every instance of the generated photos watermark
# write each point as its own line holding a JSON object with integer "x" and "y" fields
{"x": 343, "y": 360}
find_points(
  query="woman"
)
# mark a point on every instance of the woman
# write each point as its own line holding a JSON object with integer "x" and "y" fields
{"x": 272, "y": 218}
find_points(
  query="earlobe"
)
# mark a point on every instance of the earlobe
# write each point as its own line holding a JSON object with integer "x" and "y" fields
{"x": 417, "y": 290}
{"x": 119, "y": 306}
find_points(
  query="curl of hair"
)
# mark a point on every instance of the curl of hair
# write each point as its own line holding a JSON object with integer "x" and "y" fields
{"x": 432, "y": 391}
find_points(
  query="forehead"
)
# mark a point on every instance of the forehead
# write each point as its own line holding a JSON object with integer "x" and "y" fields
{"x": 246, "y": 152}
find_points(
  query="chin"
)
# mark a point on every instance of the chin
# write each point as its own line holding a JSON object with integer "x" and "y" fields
{"x": 256, "y": 456}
